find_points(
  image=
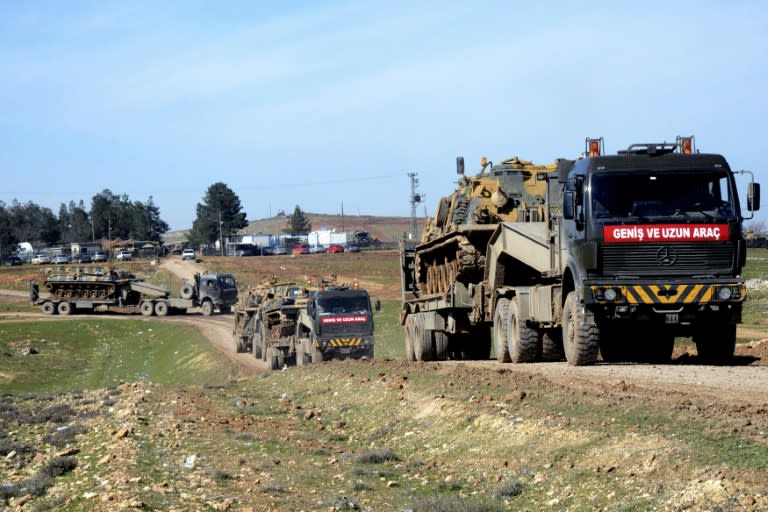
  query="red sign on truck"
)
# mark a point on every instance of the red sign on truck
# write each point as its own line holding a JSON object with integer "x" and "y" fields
{"x": 666, "y": 233}
{"x": 344, "y": 319}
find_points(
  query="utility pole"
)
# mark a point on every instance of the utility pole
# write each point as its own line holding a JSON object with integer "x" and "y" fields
{"x": 221, "y": 235}
{"x": 416, "y": 198}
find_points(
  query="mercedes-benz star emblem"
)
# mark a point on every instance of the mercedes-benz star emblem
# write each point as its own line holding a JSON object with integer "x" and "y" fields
{"x": 666, "y": 256}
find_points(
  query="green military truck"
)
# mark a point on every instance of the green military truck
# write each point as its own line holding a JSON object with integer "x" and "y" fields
{"x": 605, "y": 255}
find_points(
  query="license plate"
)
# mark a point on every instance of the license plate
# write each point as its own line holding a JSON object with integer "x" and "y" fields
{"x": 672, "y": 318}
{"x": 346, "y": 350}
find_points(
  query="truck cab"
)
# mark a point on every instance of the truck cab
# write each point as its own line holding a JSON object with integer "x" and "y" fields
{"x": 216, "y": 290}
{"x": 653, "y": 248}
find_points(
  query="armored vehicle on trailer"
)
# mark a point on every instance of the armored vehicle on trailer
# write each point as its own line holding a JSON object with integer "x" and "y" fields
{"x": 99, "y": 289}
{"x": 613, "y": 255}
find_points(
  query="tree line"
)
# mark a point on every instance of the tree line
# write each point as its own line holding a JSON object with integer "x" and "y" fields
{"x": 111, "y": 216}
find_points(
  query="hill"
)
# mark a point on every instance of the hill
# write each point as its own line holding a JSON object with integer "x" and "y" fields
{"x": 386, "y": 229}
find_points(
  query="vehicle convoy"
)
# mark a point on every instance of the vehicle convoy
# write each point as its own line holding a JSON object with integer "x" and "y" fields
{"x": 108, "y": 290}
{"x": 284, "y": 323}
{"x": 612, "y": 255}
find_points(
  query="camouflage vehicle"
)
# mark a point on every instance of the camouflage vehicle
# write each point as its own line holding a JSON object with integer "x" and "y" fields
{"x": 100, "y": 289}
{"x": 265, "y": 321}
{"x": 613, "y": 255}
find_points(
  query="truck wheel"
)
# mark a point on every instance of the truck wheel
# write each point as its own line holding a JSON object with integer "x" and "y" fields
{"x": 147, "y": 308}
{"x": 315, "y": 354}
{"x": 207, "y": 308}
{"x": 441, "y": 346}
{"x": 255, "y": 347}
{"x": 49, "y": 308}
{"x": 422, "y": 341}
{"x": 580, "y": 333}
{"x": 500, "y": 316}
{"x": 522, "y": 340}
{"x": 161, "y": 308}
{"x": 275, "y": 359}
{"x": 409, "y": 335}
{"x": 715, "y": 343}
{"x": 552, "y": 345}
{"x": 187, "y": 291}
{"x": 64, "y": 308}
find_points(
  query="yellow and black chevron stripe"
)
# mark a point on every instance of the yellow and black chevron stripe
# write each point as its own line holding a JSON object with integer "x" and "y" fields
{"x": 345, "y": 342}
{"x": 669, "y": 293}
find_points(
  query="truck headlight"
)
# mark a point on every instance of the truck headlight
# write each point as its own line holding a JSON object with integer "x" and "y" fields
{"x": 724, "y": 293}
{"x": 610, "y": 294}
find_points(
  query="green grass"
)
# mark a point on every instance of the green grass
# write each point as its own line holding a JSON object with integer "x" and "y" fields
{"x": 389, "y": 332}
{"x": 86, "y": 354}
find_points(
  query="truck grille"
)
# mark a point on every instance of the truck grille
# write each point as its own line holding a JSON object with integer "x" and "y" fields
{"x": 668, "y": 259}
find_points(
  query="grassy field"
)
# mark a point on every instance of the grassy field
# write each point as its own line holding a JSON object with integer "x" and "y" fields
{"x": 53, "y": 356}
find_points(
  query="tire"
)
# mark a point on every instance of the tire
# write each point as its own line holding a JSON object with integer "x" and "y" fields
{"x": 161, "y": 308}
{"x": 715, "y": 343}
{"x": 441, "y": 341}
{"x": 522, "y": 340}
{"x": 552, "y": 345}
{"x": 49, "y": 308}
{"x": 187, "y": 291}
{"x": 207, "y": 308}
{"x": 274, "y": 358}
{"x": 500, "y": 318}
{"x": 315, "y": 354}
{"x": 64, "y": 308}
{"x": 409, "y": 335}
{"x": 256, "y": 347}
{"x": 422, "y": 340}
{"x": 300, "y": 361}
{"x": 147, "y": 308}
{"x": 581, "y": 336}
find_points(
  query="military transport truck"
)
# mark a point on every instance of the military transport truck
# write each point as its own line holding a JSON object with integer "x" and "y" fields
{"x": 613, "y": 255}
{"x": 99, "y": 289}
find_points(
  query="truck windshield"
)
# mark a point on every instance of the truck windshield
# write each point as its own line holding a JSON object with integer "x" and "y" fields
{"x": 343, "y": 306}
{"x": 702, "y": 194}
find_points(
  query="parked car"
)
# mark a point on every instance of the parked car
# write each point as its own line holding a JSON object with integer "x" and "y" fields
{"x": 82, "y": 257}
{"x": 40, "y": 259}
{"x": 60, "y": 259}
{"x": 279, "y": 250}
{"x": 188, "y": 254}
{"x": 351, "y": 248}
{"x": 316, "y": 249}
{"x": 335, "y": 248}
{"x": 99, "y": 256}
{"x": 244, "y": 252}
{"x": 300, "y": 249}
{"x": 124, "y": 256}
{"x": 12, "y": 261}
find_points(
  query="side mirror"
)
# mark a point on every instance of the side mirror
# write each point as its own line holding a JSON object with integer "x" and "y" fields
{"x": 753, "y": 196}
{"x": 459, "y": 165}
{"x": 569, "y": 205}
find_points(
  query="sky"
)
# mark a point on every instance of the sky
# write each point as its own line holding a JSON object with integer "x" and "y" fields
{"x": 329, "y": 105}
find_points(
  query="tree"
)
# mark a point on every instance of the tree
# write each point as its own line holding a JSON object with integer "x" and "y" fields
{"x": 7, "y": 240}
{"x": 298, "y": 222}
{"x": 220, "y": 213}
{"x": 117, "y": 217}
{"x": 34, "y": 224}
{"x": 74, "y": 222}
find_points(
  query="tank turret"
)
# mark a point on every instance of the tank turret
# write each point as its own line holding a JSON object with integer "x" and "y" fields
{"x": 454, "y": 241}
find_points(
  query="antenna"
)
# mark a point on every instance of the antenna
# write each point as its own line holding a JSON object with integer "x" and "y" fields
{"x": 416, "y": 198}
